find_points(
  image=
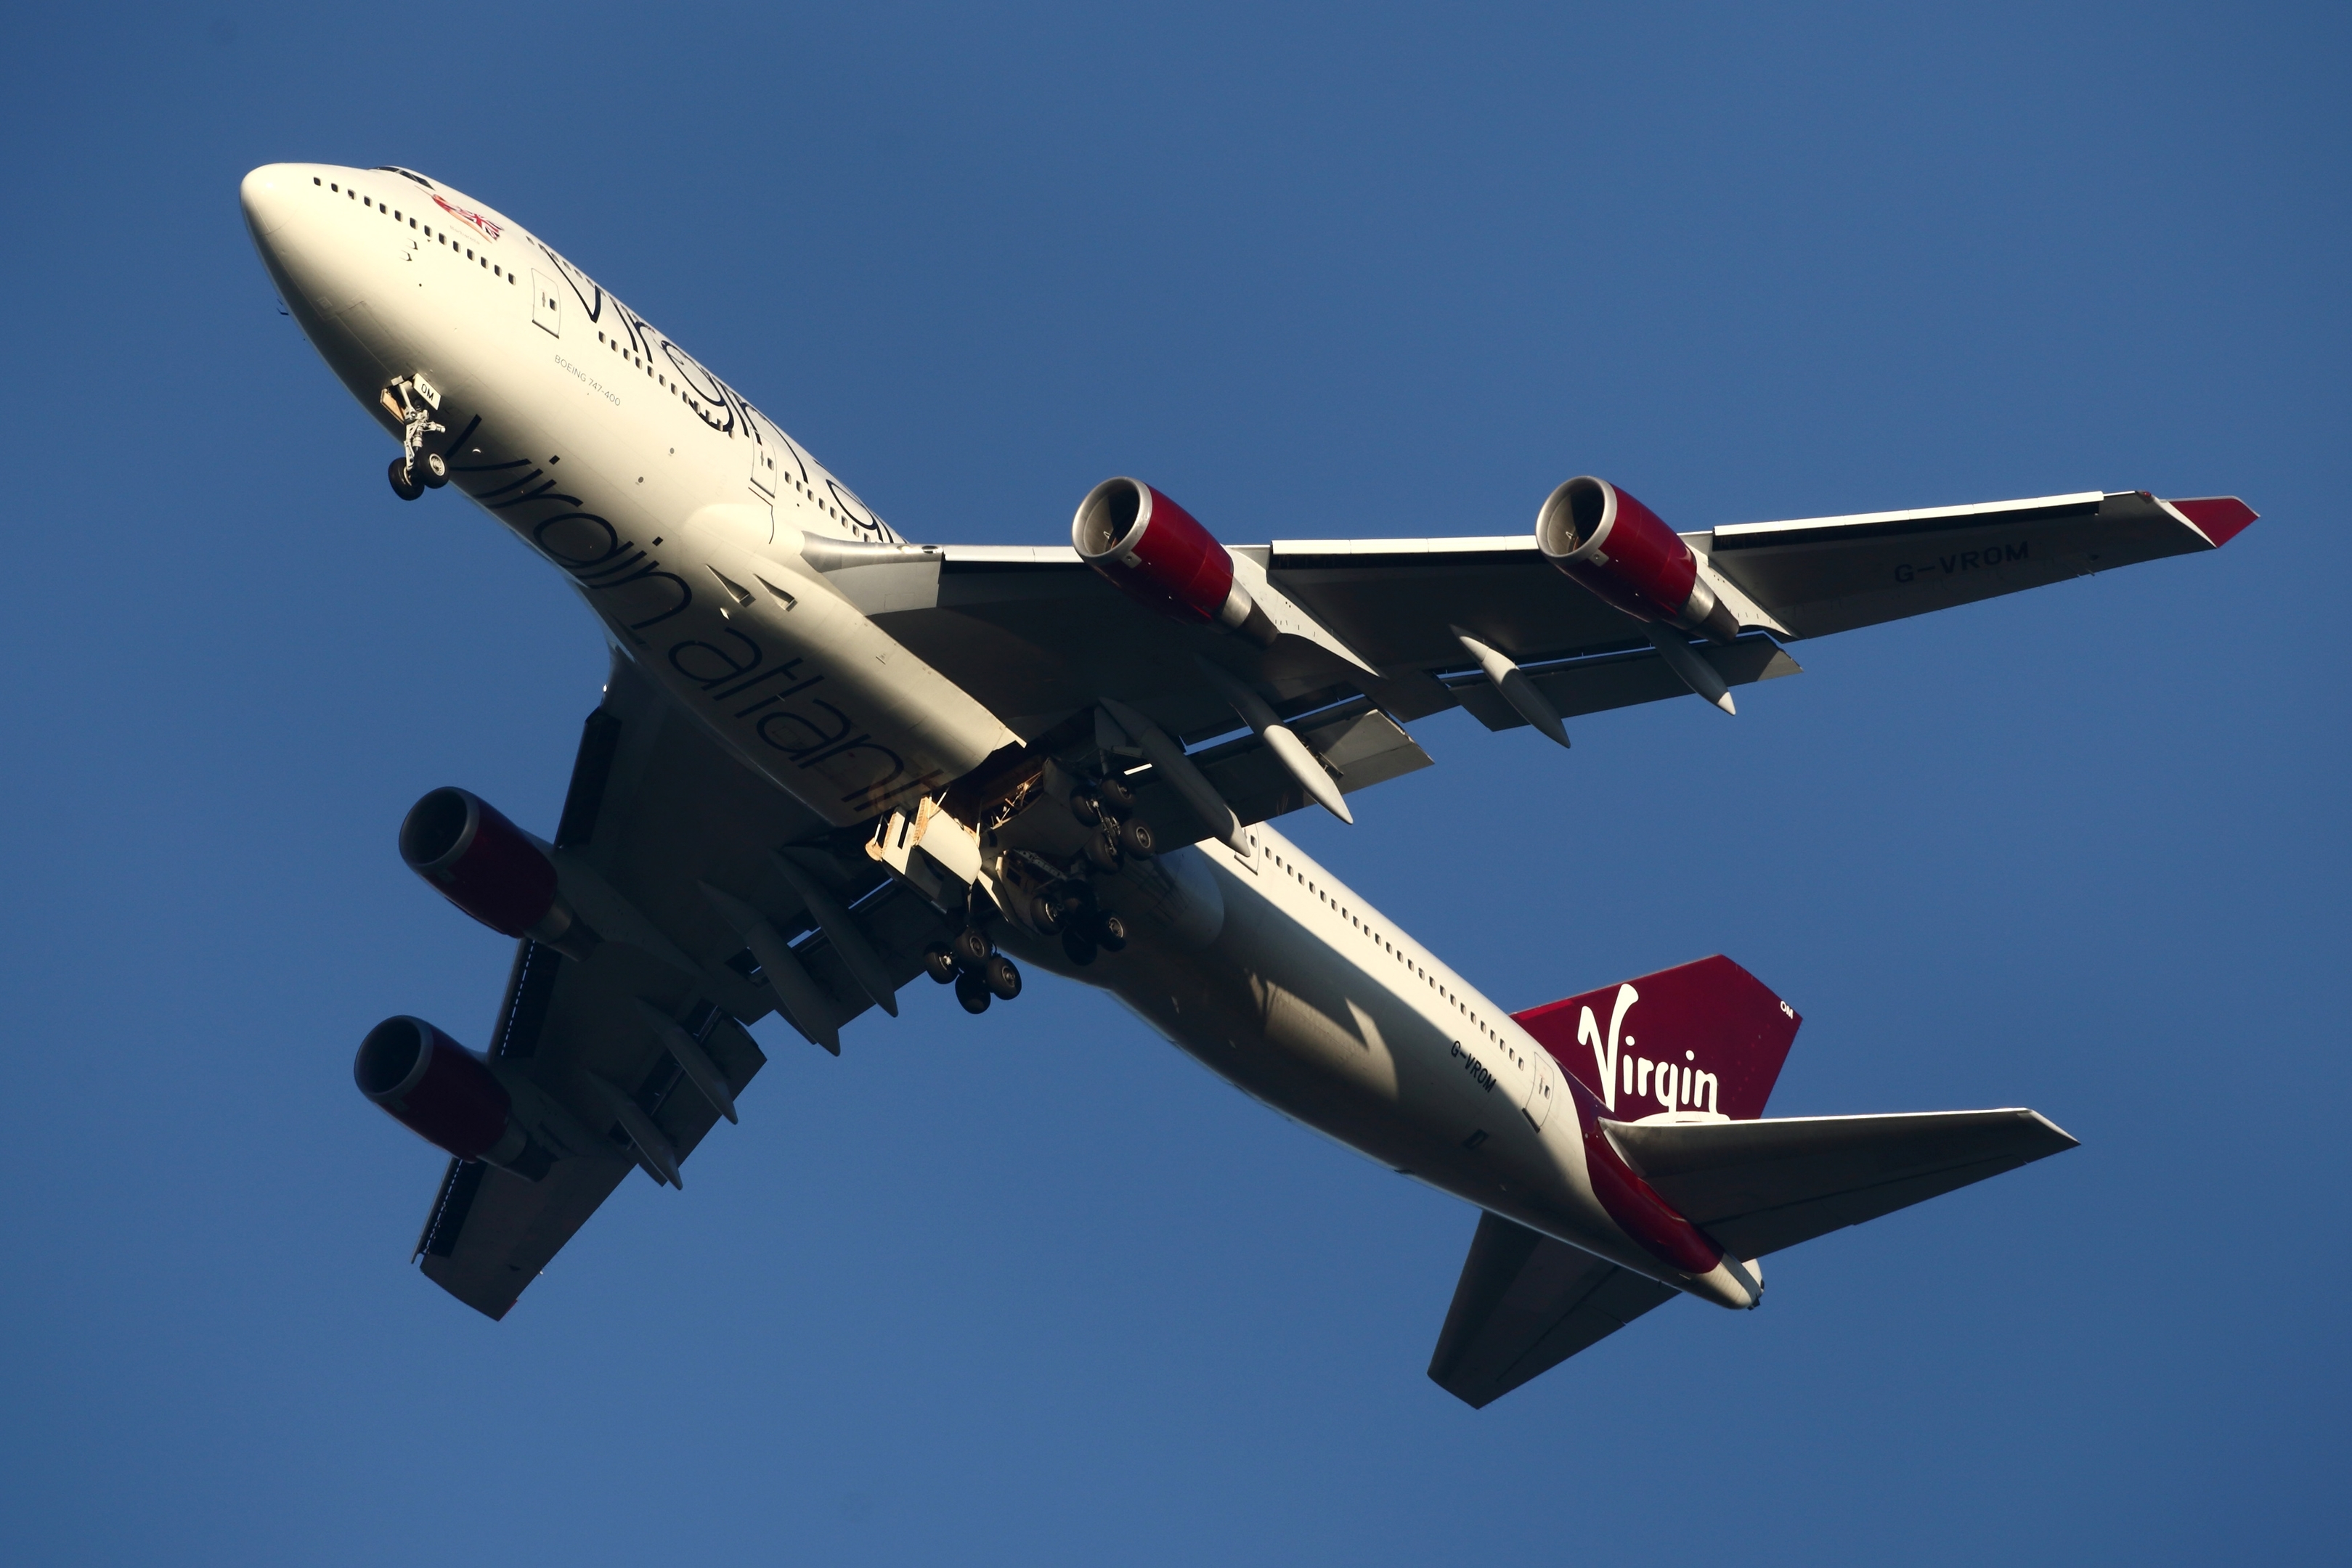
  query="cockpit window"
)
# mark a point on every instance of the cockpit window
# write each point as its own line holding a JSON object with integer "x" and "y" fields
{"x": 404, "y": 173}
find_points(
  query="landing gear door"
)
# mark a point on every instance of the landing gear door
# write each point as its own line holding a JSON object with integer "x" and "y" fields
{"x": 546, "y": 311}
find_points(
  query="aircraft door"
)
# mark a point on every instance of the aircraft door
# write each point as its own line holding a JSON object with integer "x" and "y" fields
{"x": 764, "y": 459}
{"x": 546, "y": 313}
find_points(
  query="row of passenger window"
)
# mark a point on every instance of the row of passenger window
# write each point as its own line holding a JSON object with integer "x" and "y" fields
{"x": 635, "y": 358}
{"x": 439, "y": 236}
{"x": 1393, "y": 951}
{"x": 631, "y": 357}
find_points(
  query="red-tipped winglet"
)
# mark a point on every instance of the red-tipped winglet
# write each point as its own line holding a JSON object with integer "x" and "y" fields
{"x": 2219, "y": 519}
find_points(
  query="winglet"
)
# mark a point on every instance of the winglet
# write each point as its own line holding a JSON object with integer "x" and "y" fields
{"x": 2219, "y": 519}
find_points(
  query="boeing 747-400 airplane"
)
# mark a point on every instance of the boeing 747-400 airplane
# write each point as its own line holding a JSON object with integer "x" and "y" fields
{"x": 828, "y": 761}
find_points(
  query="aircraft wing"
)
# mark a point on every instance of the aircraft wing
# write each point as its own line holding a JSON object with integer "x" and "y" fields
{"x": 1819, "y": 575}
{"x": 657, "y": 809}
{"x": 1526, "y": 1303}
{"x": 1760, "y": 1186}
{"x": 1371, "y": 633}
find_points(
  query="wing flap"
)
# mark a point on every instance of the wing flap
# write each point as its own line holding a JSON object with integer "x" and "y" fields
{"x": 1524, "y": 1304}
{"x": 898, "y": 925}
{"x": 1361, "y": 746}
{"x": 1761, "y": 1186}
{"x": 492, "y": 1232}
{"x": 1396, "y": 601}
{"x": 1619, "y": 679}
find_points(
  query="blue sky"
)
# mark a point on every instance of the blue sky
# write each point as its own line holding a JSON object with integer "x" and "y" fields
{"x": 1034, "y": 1288}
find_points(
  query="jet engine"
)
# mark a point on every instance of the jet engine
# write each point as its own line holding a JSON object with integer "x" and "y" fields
{"x": 487, "y": 867}
{"x": 445, "y": 1095}
{"x": 1157, "y": 553}
{"x": 1617, "y": 547}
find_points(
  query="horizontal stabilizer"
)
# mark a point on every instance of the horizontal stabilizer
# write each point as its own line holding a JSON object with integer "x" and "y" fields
{"x": 1525, "y": 1304}
{"x": 1760, "y": 1186}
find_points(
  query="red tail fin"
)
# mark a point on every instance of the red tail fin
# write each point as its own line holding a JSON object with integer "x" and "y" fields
{"x": 1699, "y": 1037}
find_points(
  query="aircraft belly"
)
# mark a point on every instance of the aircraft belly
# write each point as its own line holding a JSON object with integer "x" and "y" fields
{"x": 1281, "y": 1014}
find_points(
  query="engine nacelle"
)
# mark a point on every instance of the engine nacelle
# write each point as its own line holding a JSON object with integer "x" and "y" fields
{"x": 1157, "y": 553}
{"x": 445, "y": 1095}
{"x": 1619, "y": 549}
{"x": 486, "y": 866}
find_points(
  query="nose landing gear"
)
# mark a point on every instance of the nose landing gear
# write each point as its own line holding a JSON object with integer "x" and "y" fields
{"x": 415, "y": 470}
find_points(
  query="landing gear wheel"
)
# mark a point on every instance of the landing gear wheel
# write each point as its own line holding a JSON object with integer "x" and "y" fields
{"x": 939, "y": 963}
{"x": 1045, "y": 914}
{"x": 1117, "y": 794}
{"x": 1078, "y": 947}
{"x": 1110, "y": 933}
{"x": 1086, "y": 807}
{"x": 973, "y": 948}
{"x": 1135, "y": 838}
{"x": 1102, "y": 853}
{"x": 1002, "y": 980}
{"x": 432, "y": 468}
{"x": 972, "y": 993}
{"x": 406, "y": 488}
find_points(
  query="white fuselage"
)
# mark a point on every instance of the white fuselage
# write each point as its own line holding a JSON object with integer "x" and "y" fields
{"x": 678, "y": 511}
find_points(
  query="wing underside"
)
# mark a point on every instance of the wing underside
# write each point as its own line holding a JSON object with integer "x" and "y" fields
{"x": 1040, "y": 638}
{"x": 656, "y": 810}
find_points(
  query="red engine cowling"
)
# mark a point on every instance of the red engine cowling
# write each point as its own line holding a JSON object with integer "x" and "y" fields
{"x": 1619, "y": 549}
{"x": 445, "y": 1095}
{"x": 485, "y": 865}
{"x": 1159, "y": 554}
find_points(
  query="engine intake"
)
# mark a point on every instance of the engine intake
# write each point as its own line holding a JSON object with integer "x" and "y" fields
{"x": 445, "y": 1095}
{"x": 1157, "y": 554}
{"x": 1619, "y": 549}
{"x": 487, "y": 867}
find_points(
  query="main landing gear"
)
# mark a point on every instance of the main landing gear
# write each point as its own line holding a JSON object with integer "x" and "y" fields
{"x": 1107, "y": 806}
{"x": 972, "y": 965}
{"x": 1069, "y": 907}
{"x": 1064, "y": 904}
{"x": 415, "y": 470}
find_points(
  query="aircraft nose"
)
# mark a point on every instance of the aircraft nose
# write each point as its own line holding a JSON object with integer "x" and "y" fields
{"x": 265, "y": 194}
